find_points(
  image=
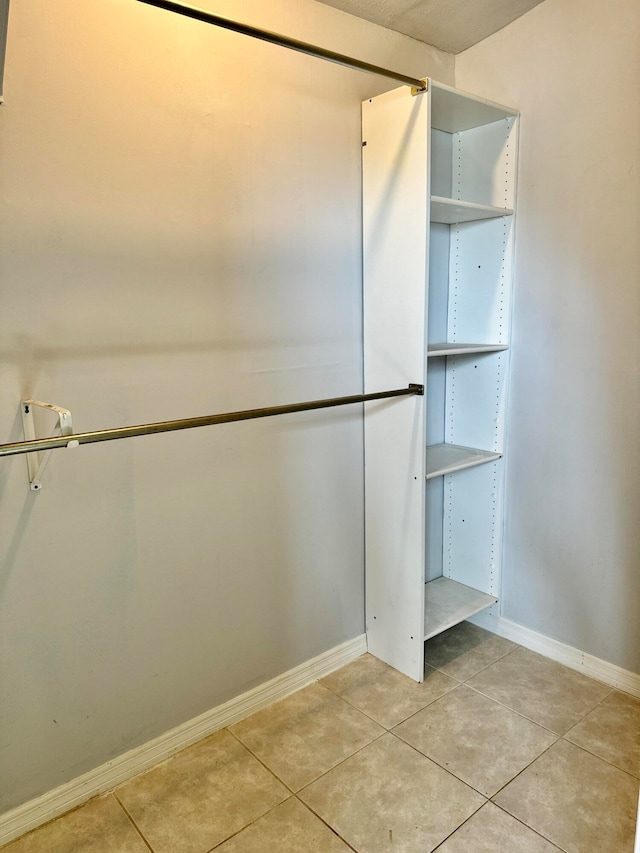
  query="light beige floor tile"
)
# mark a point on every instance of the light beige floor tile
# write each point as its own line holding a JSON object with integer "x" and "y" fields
{"x": 465, "y": 649}
{"x": 383, "y": 693}
{"x": 543, "y": 690}
{"x": 493, "y": 831}
{"x": 201, "y": 796}
{"x": 289, "y": 828}
{"x": 100, "y": 826}
{"x": 576, "y": 800}
{"x": 612, "y": 731}
{"x": 478, "y": 740}
{"x": 388, "y": 797}
{"x": 304, "y": 735}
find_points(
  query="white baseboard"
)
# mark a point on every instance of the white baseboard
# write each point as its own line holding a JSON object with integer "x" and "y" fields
{"x": 594, "y": 667}
{"x": 44, "y": 808}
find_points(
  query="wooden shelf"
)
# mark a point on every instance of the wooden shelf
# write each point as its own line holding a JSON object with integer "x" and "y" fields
{"x": 450, "y": 211}
{"x": 447, "y": 458}
{"x": 434, "y": 350}
{"x": 447, "y": 602}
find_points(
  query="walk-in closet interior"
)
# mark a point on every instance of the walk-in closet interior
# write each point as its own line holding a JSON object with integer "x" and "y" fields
{"x": 316, "y": 339}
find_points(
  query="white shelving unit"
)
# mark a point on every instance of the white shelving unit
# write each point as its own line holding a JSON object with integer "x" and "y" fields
{"x": 439, "y": 195}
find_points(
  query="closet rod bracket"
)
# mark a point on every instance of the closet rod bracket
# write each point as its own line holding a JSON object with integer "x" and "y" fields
{"x": 418, "y": 390}
{"x": 36, "y": 462}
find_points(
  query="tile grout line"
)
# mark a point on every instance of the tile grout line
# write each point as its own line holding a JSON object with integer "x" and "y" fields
{"x": 131, "y": 820}
{"x": 509, "y": 708}
{"x": 328, "y": 825}
{"x": 341, "y": 762}
{"x": 351, "y": 705}
{"x": 316, "y": 778}
{"x": 258, "y": 759}
{"x": 522, "y": 823}
{"x": 246, "y": 826}
{"x": 451, "y": 773}
{"x": 405, "y": 719}
{"x": 482, "y": 669}
{"x": 595, "y": 755}
{"x": 537, "y": 758}
{"x": 446, "y": 770}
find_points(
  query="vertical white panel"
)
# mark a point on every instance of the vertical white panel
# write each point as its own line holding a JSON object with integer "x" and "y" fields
{"x": 395, "y": 205}
{"x": 473, "y": 526}
{"x": 476, "y": 396}
{"x": 434, "y": 528}
{"x": 484, "y": 163}
{"x": 441, "y": 163}
{"x": 480, "y": 281}
{"x": 438, "y": 281}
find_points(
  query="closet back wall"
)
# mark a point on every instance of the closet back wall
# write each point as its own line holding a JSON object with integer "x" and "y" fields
{"x": 180, "y": 234}
{"x": 572, "y": 545}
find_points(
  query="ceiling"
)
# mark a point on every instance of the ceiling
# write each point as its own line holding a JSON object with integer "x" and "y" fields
{"x": 451, "y": 25}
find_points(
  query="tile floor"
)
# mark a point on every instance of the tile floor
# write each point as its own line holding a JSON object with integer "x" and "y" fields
{"x": 498, "y": 750}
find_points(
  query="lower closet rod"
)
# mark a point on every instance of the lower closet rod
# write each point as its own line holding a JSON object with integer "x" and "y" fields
{"x": 283, "y": 41}
{"x": 190, "y": 423}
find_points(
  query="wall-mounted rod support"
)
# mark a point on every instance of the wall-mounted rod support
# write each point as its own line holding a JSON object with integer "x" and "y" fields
{"x": 283, "y": 41}
{"x": 74, "y": 439}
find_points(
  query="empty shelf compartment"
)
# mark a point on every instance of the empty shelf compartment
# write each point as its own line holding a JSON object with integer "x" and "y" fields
{"x": 447, "y": 458}
{"x": 448, "y": 602}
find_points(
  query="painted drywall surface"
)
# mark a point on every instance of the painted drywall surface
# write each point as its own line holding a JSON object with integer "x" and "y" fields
{"x": 572, "y": 558}
{"x": 180, "y": 235}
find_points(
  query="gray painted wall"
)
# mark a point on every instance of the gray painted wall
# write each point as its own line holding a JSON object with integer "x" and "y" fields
{"x": 180, "y": 234}
{"x": 572, "y": 557}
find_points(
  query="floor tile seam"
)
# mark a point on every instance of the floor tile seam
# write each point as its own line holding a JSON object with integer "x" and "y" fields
{"x": 465, "y": 821}
{"x": 574, "y": 671}
{"x": 340, "y": 763}
{"x": 453, "y": 832}
{"x": 260, "y": 761}
{"x": 520, "y": 772}
{"x": 446, "y": 769}
{"x": 515, "y": 711}
{"x": 488, "y": 797}
{"x": 537, "y": 832}
{"x": 482, "y": 669}
{"x": 605, "y": 760}
{"x": 530, "y": 828}
{"x": 132, "y": 821}
{"x": 355, "y": 707}
{"x": 247, "y": 825}
{"x": 584, "y": 716}
{"x": 325, "y": 822}
{"x": 428, "y": 705}
{"x": 412, "y": 714}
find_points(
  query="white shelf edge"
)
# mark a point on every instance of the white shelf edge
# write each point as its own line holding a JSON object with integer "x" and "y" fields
{"x": 447, "y": 603}
{"x": 447, "y": 458}
{"x": 451, "y": 211}
{"x": 445, "y": 349}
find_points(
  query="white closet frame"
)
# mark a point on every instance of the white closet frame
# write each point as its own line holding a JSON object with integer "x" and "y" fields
{"x": 439, "y": 173}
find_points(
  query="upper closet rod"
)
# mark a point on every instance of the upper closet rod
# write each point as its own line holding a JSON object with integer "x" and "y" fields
{"x": 74, "y": 439}
{"x": 284, "y": 41}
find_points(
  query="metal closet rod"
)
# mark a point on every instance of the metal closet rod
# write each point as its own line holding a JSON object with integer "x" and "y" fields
{"x": 283, "y": 41}
{"x": 190, "y": 423}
